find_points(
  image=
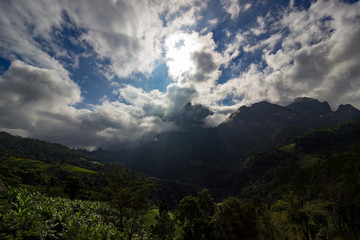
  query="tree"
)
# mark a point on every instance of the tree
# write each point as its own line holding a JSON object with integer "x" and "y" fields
{"x": 195, "y": 214}
{"x": 165, "y": 227}
{"x": 294, "y": 220}
{"x": 132, "y": 203}
{"x": 235, "y": 220}
{"x": 190, "y": 215}
{"x": 72, "y": 187}
{"x": 206, "y": 203}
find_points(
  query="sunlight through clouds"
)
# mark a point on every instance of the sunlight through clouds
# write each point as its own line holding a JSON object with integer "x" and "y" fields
{"x": 179, "y": 48}
{"x": 94, "y": 68}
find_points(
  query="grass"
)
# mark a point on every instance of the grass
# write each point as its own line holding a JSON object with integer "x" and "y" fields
{"x": 308, "y": 161}
{"x": 97, "y": 163}
{"x": 76, "y": 169}
{"x": 37, "y": 163}
{"x": 48, "y": 190}
{"x": 45, "y": 165}
{"x": 289, "y": 148}
{"x": 305, "y": 160}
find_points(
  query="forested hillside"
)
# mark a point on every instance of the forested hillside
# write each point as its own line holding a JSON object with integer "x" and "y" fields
{"x": 309, "y": 189}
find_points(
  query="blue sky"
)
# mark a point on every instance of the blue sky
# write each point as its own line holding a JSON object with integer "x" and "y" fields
{"x": 93, "y": 73}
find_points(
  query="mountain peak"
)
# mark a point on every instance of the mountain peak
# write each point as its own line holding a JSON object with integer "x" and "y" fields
{"x": 262, "y": 104}
{"x": 304, "y": 99}
{"x": 254, "y": 107}
{"x": 191, "y": 115}
{"x": 347, "y": 110}
{"x": 347, "y": 107}
{"x": 310, "y": 106}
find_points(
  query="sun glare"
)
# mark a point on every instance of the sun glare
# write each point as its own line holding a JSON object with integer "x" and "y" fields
{"x": 179, "y": 48}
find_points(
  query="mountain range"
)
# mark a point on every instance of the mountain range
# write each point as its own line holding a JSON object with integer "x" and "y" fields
{"x": 207, "y": 157}
{"x": 276, "y": 172}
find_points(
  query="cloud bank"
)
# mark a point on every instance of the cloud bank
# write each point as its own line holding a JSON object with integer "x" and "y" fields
{"x": 215, "y": 62}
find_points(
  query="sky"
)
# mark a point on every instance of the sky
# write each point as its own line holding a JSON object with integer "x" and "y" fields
{"x": 91, "y": 73}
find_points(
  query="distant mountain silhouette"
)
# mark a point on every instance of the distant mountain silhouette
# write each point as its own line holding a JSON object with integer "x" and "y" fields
{"x": 207, "y": 156}
{"x": 346, "y": 111}
{"x": 310, "y": 106}
{"x": 279, "y": 125}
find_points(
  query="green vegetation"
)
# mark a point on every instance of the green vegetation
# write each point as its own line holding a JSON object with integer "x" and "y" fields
{"x": 311, "y": 191}
{"x": 77, "y": 169}
{"x": 31, "y": 215}
{"x": 298, "y": 191}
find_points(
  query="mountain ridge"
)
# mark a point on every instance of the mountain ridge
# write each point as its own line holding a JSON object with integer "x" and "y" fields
{"x": 206, "y": 156}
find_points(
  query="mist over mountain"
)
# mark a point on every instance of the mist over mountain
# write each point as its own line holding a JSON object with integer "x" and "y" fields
{"x": 206, "y": 156}
{"x": 190, "y": 115}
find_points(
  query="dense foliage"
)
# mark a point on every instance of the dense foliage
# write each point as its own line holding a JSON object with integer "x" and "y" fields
{"x": 31, "y": 215}
{"x": 59, "y": 171}
{"x": 306, "y": 190}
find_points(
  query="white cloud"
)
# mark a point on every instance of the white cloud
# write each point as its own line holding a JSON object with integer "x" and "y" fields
{"x": 42, "y": 97}
{"x": 28, "y": 85}
{"x": 152, "y": 103}
{"x": 313, "y": 52}
{"x": 261, "y": 26}
{"x": 174, "y": 8}
{"x": 29, "y": 93}
{"x": 247, "y": 6}
{"x": 37, "y": 102}
{"x": 214, "y": 120}
{"x": 319, "y": 57}
{"x": 234, "y": 7}
{"x": 192, "y": 59}
{"x": 126, "y": 32}
{"x": 21, "y": 23}
{"x": 249, "y": 87}
{"x": 291, "y": 4}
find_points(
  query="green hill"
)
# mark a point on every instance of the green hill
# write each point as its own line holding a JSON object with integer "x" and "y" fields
{"x": 309, "y": 189}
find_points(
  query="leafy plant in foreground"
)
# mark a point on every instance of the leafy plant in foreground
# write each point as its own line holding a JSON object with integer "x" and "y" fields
{"x": 31, "y": 215}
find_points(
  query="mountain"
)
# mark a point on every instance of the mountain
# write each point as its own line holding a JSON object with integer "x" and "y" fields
{"x": 279, "y": 125}
{"x": 308, "y": 189}
{"x": 196, "y": 155}
{"x": 310, "y": 106}
{"x": 207, "y": 156}
{"x": 264, "y": 125}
